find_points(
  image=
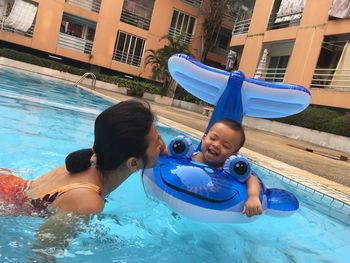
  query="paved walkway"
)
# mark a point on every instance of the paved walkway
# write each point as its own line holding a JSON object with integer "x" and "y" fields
{"x": 271, "y": 150}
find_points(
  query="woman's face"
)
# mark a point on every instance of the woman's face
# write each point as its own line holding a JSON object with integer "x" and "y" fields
{"x": 156, "y": 146}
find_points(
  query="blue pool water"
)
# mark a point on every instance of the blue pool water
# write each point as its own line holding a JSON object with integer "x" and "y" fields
{"x": 42, "y": 120}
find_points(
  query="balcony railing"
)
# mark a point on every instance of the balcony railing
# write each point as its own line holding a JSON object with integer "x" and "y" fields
{"x": 127, "y": 58}
{"x": 195, "y": 3}
{"x": 338, "y": 79}
{"x": 29, "y": 33}
{"x": 75, "y": 43}
{"x": 290, "y": 20}
{"x": 92, "y": 5}
{"x": 220, "y": 50}
{"x": 186, "y": 37}
{"x": 270, "y": 74}
{"x": 241, "y": 27}
{"x": 135, "y": 20}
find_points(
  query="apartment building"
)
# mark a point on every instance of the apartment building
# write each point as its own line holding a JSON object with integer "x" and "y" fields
{"x": 306, "y": 42}
{"x": 109, "y": 34}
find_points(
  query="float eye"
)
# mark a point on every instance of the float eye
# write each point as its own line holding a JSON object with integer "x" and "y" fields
{"x": 181, "y": 147}
{"x": 238, "y": 167}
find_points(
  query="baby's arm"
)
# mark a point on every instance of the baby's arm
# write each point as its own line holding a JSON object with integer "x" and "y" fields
{"x": 253, "y": 205}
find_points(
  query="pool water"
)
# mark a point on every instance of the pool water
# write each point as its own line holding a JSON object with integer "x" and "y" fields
{"x": 42, "y": 120}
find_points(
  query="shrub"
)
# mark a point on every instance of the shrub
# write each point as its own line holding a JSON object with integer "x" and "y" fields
{"x": 44, "y": 62}
{"x": 340, "y": 125}
{"x": 320, "y": 118}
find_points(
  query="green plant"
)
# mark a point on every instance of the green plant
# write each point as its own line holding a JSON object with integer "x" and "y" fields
{"x": 340, "y": 125}
{"x": 158, "y": 59}
{"x": 326, "y": 119}
{"x": 135, "y": 88}
{"x": 43, "y": 62}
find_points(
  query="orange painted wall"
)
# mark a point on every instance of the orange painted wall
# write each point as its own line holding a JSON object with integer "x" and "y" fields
{"x": 49, "y": 17}
{"x": 304, "y": 56}
{"x": 251, "y": 55}
{"x": 260, "y": 19}
{"x": 331, "y": 98}
{"x": 308, "y": 37}
{"x": 106, "y": 32}
{"x": 47, "y": 25}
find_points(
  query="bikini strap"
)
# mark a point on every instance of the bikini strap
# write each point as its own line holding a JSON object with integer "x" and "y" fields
{"x": 66, "y": 188}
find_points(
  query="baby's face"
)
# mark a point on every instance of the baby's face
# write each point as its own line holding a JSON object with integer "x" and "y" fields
{"x": 219, "y": 144}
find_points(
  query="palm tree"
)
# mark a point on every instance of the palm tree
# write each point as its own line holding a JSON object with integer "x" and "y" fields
{"x": 159, "y": 61}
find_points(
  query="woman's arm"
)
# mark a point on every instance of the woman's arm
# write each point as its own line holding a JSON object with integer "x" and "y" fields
{"x": 72, "y": 209}
{"x": 56, "y": 233}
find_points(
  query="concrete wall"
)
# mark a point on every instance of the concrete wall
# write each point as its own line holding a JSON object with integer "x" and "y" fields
{"x": 324, "y": 139}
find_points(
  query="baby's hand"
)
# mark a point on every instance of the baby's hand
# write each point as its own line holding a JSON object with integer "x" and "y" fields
{"x": 252, "y": 206}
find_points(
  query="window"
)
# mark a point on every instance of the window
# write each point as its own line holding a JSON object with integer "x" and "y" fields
{"x": 76, "y": 33}
{"x": 93, "y": 5}
{"x": 195, "y": 3}
{"x": 182, "y": 25}
{"x": 277, "y": 68}
{"x": 78, "y": 27}
{"x": 222, "y": 41}
{"x": 129, "y": 49}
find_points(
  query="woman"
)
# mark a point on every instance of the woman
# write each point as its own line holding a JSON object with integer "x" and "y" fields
{"x": 125, "y": 141}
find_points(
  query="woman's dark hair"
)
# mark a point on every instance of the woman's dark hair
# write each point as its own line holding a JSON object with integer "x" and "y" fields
{"x": 235, "y": 126}
{"x": 120, "y": 133}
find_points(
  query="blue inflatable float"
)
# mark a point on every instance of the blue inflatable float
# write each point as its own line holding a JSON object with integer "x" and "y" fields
{"x": 198, "y": 191}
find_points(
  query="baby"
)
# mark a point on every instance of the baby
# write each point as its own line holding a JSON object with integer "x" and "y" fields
{"x": 225, "y": 138}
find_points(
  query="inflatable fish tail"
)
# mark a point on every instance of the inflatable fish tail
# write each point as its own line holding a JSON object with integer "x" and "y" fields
{"x": 259, "y": 98}
{"x": 280, "y": 202}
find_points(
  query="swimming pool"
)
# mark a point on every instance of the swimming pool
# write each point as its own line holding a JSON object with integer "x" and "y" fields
{"x": 41, "y": 120}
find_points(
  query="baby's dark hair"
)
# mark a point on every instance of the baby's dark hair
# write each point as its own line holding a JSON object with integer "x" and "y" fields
{"x": 120, "y": 133}
{"x": 235, "y": 126}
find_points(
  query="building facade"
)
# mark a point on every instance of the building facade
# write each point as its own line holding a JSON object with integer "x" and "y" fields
{"x": 306, "y": 42}
{"x": 108, "y": 33}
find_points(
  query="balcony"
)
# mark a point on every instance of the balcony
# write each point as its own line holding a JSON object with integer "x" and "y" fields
{"x": 195, "y": 3}
{"x": 10, "y": 29}
{"x": 75, "y": 43}
{"x": 276, "y": 22}
{"x": 137, "y": 13}
{"x": 270, "y": 74}
{"x": 220, "y": 50}
{"x": 91, "y": 5}
{"x": 336, "y": 79}
{"x": 135, "y": 20}
{"x": 186, "y": 37}
{"x": 241, "y": 27}
{"x": 18, "y": 17}
{"x": 127, "y": 58}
